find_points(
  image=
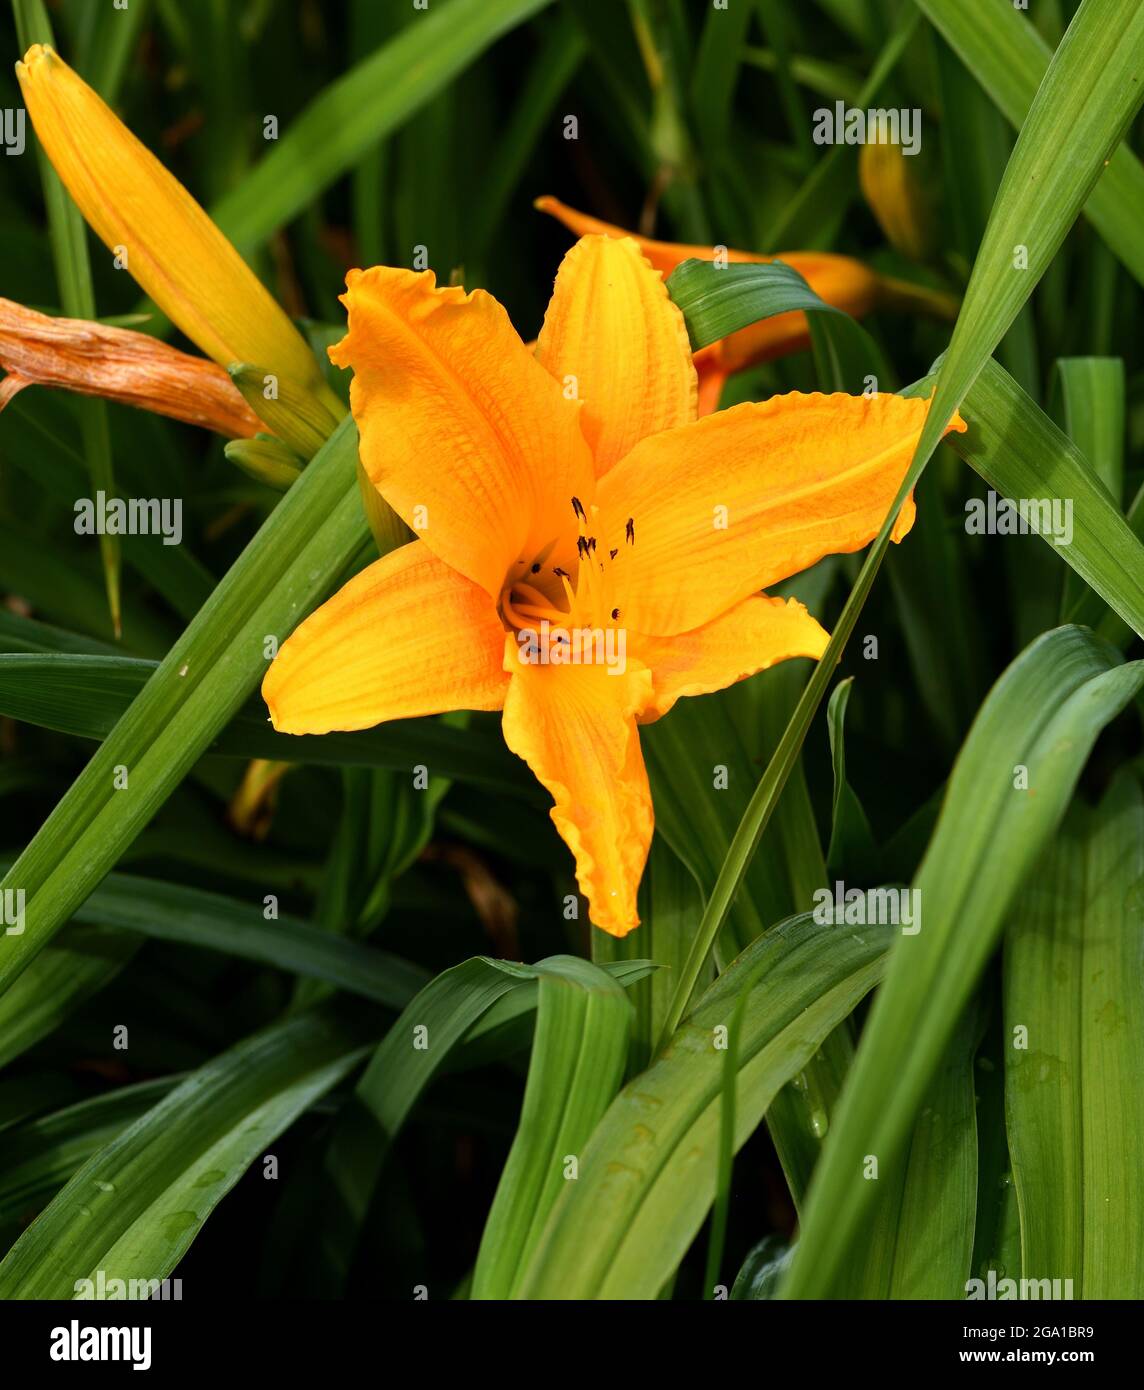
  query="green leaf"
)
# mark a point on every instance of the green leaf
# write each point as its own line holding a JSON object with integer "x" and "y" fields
{"x": 851, "y": 840}
{"x": 1092, "y": 398}
{"x": 761, "y": 1271}
{"x": 87, "y": 695}
{"x": 41, "y": 1155}
{"x": 135, "y": 1206}
{"x": 976, "y": 144}
{"x": 1040, "y": 719}
{"x": 32, "y": 1093}
{"x": 1074, "y": 1050}
{"x": 1020, "y": 453}
{"x": 823, "y": 197}
{"x": 846, "y": 357}
{"x": 715, "y": 70}
{"x": 697, "y": 814}
{"x": 670, "y": 903}
{"x": 552, "y": 69}
{"x": 718, "y": 299}
{"x": 1103, "y": 52}
{"x": 1092, "y": 392}
{"x": 35, "y": 446}
{"x": 648, "y": 1174}
{"x": 20, "y": 634}
{"x": 77, "y": 298}
{"x": 174, "y": 912}
{"x": 717, "y": 1236}
{"x": 918, "y": 1238}
{"x": 357, "y": 110}
{"x": 1003, "y": 50}
{"x": 116, "y": 34}
{"x": 937, "y": 606}
{"x": 736, "y": 730}
{"x": 65, "y": 976}
{"x": 582, "y": 1024}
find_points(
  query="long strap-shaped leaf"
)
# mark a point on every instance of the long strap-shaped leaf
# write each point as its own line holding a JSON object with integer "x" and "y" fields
{"x": 583, "y": 1022}
{"x": 1006, "y": 54}
{"x": 86, "y": 694}
{"x": 1018, "y": 450}
{"x": 918, "y": 1239}
{"x": 1074, "y": 1052}
{"x": 133, "y": 1209}
{"x": 62, "y": 978}
{"x": 352, "y": 114}
{"x": 174, "y": 912}
{"x": 716, "y": 295}
{"x": 1009, "y": 789}
{"x": 68, "y": 237}
{"x": 41, "y": 1155}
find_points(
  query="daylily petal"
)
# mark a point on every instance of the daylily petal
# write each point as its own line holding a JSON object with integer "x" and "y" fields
{"x": 408, "y": 636}
{"x": 733, "y": 503}
{"x": 120, "y": 365}
{"x": 173, "y": 248}
{"x": 712, "y": 376}
{"x": 664, "y": 255}
{"x": 755, "y": 634}
{"x": 611, "y": 327}
{"x": 463, "y": 432}
{"x": 575, "y": 727}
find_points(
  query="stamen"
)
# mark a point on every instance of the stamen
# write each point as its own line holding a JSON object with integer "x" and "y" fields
{"x": 568, "y": 590}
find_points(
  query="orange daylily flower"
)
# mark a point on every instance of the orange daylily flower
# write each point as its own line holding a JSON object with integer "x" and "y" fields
{"x": 588, "y": 550}
{"x": 96, "y": 359}
{"x": 839, "y": 280}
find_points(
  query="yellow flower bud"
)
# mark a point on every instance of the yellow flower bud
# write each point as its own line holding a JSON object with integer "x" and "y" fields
{"x": 893, "y": 190}
{"x": 161, "y": 235}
